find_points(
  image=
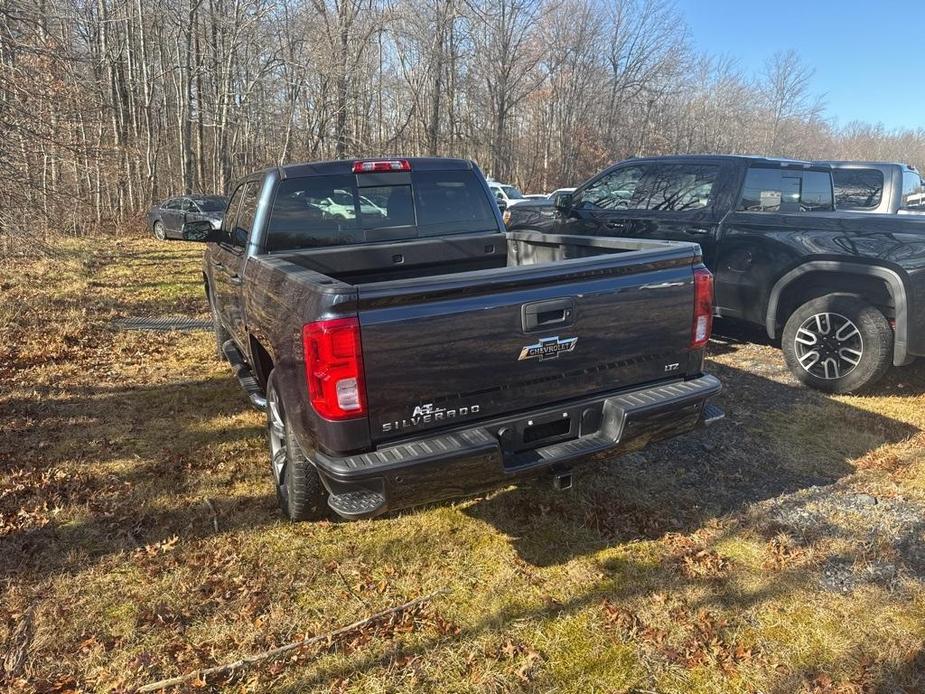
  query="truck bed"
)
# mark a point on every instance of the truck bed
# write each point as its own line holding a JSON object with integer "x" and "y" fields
{"x": 380, "y": 263}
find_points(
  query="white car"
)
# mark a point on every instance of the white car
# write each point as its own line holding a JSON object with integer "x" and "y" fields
{"x": 340, "y": 204}
{"x": 506, "y": 194}
{"x": 553, "y": 194}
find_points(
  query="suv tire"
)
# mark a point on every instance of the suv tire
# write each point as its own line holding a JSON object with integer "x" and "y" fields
{"x": 299, "y": 490}
{"x": 838, "y": 343}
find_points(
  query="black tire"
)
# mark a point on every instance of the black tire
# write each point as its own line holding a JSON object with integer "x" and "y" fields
{"x": 160, "y": 233}
{"x": 838, "y": 343}
{"x": 299, "y": 490}
{"x": 221, "y": 335}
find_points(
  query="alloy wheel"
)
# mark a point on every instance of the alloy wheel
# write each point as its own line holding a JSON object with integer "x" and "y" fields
{"x": 828, "y": 346}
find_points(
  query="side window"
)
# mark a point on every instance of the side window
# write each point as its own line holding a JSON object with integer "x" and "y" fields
{"x": 242, "y": 228}
{"x": 857, "y": 189}
{"x": 816, "y": 193}
{"x": 677, "y": 187}
{"x": 172, "y": 204}
{"x": 783, "y": 190}
{"x": 186, "y": 205}
{"x": 913, "y": 191}
{"x": 613, "y": 191}
{"x": 231, "y": 214}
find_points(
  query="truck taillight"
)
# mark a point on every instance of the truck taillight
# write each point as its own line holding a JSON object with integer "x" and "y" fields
{"x": 334, "y": 368}
{"x": 703, "y": 308}
{"x": 381, "y": 166}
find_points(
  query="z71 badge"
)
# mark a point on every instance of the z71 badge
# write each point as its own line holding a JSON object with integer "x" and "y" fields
{"x": 548, "y": 348}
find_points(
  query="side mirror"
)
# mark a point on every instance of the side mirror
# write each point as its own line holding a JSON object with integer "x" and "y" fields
{"x": 502, "y": 204}
{"x": 200, "y": 231}
{"x": 562, "y": 201}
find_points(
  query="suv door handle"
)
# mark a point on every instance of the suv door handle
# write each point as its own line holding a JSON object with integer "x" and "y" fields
{"x": 697, "y": 231}
{"x": 235, "y": 280}
{"x": 615, "y": 225}
{"x": 217, "y": 265}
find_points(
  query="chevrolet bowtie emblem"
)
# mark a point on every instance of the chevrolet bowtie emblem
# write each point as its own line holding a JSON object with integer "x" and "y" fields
{"x": 548, "y": 348}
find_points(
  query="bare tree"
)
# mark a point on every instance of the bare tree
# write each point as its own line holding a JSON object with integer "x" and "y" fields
{"x": 786, "y": 89}
{"x": 106, "y": 105}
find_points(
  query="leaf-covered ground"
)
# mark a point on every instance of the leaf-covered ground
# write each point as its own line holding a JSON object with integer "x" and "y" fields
{"x": 782, "y": 550}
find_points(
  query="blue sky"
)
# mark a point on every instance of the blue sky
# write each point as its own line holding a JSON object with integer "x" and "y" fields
{"x": 869, "y": 57}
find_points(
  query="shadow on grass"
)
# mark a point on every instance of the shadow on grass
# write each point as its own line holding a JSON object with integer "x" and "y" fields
{"x": 908, "y": 676}
{"x": 118, "y": 458}
{"x": 777, "y": 439}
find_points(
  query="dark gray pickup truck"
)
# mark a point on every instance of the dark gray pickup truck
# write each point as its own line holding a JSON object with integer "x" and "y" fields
{"x": 408, "y": 349}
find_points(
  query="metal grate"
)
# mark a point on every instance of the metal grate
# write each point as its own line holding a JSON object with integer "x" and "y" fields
{"x": 161, "y": 324}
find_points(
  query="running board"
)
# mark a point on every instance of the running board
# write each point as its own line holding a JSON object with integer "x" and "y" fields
{"x": 244, "y": 375}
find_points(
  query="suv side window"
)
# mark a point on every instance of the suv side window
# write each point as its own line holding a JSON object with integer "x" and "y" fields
{"x": 913, "y": 191}
{"x": 677, "y": 187}
{"x": 785, "y": 190}
{"x": 612, "y": 191}
{"x": 242, "y": 228}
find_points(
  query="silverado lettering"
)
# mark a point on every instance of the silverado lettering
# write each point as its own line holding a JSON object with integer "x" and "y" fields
{"x": 425, "y": 414}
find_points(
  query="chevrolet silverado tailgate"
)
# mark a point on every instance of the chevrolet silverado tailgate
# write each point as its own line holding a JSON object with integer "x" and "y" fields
{"x": 450, "y": 350}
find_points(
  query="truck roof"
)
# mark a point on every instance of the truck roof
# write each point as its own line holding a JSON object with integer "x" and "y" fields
{"x": 749, "y": 158}
{"x": 858, "y": 163}
{"x": 345, "y": 166}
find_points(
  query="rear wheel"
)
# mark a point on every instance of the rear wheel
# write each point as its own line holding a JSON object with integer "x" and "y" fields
{"x": 299, "y": 490}
{"x": 159, "y": 232}
{"x": 838, "y": 343}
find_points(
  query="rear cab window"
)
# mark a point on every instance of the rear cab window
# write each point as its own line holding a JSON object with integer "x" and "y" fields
{"x": 330, "y": 210}
{"x": 771, "y": 189}
{"x": 857, "y": 189}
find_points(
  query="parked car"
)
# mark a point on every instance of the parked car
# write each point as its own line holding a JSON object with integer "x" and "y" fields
{"x": 506, "y": 195}
{"x": 877, "y": 187}
{"x": 557, "y": 191}
{"x": 430, "y": 354}
{"x": 166, "y": 218}
{"x": 843, "y": 292}
{"x": 341, "y": 204}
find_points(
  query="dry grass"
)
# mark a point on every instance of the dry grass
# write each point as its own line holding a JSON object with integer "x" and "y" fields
{"x": 746, "y": 558}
